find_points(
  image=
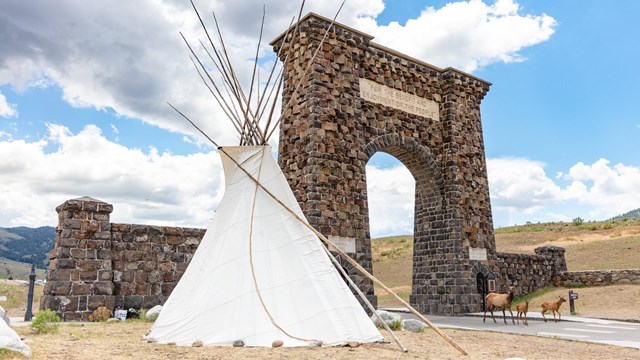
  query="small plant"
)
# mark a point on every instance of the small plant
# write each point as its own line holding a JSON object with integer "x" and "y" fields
{"x": 46, "y": 321}
{"x": 578, "y": 221}
{"x": 607, "y": 226}
{"x": 395, "y": 325}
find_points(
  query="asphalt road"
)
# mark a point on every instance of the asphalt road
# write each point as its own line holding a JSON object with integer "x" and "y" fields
{"x": 571, "y": 327}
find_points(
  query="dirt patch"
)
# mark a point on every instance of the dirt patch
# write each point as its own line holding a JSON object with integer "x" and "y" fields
{"x": 124, "y": 341}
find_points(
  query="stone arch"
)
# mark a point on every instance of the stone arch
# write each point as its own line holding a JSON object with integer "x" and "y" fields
{"x": 359, "y": 98}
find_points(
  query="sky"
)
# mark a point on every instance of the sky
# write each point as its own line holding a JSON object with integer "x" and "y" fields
{"x": 84, "y": 88}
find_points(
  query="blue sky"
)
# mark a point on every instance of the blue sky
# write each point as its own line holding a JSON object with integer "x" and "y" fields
{"x": 83, "y": 104}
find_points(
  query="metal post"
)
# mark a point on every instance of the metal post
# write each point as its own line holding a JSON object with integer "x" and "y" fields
{"x": 32, "y": 280}
{"x": 572, "y": 308}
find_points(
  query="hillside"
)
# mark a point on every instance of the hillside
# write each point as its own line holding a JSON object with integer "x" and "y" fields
{"x": 631, "y": 215}
{"x": 589, "y": 245}
{"x": 28, "y": 245}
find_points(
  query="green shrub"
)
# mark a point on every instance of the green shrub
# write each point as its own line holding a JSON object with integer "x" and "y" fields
{"x": 578, "y": 221}
{"x": 607, "y": 226}
{"x": 46, "y": 321}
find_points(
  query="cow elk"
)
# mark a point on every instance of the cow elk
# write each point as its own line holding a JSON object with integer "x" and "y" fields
{"x": 502, "y": 301}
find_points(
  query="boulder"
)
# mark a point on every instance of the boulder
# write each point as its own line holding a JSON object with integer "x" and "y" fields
{"x": 100, "y": 314}
{"x": 413, "y": 325}
{"x": 153, "y": 313}
{"x": 387, "y": 317}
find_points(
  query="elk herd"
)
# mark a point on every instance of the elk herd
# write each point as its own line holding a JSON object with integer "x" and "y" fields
{"x": 503, "y": 301}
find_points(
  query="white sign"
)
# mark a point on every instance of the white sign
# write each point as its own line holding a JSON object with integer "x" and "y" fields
{"x": 345, "y": 244}
{"x": 477, "y": 254}
{"x": 388, "y": 96}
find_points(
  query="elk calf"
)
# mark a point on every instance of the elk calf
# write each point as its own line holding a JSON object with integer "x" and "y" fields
{"x": 522, "y": 312}
{"x": 553, "y": 306}
{"x": 502, "y": 301}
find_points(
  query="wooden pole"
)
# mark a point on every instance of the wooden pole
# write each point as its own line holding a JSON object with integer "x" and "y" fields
{"x": 364, "y": 298}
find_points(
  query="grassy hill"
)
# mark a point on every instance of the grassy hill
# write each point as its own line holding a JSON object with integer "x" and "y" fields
{"x": 590, "y": 246}
{"x": 17, "y": 270}
{"x": 29, "y": 245}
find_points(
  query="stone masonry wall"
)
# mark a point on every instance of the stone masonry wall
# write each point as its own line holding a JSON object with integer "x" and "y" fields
{"x": 528, "y": 273}
{"x": 96, "y": 263}
{"x": 600, "y": 277}
{"x": 330, "y": 131}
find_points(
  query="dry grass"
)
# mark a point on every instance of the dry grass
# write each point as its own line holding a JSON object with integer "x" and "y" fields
{"x": 124, "y": 341}
{"x": 16, "y": 293}
{"x": 607, "y": 302}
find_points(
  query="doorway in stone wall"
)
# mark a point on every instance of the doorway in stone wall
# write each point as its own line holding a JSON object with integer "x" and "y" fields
{"x": 390, "y": 195}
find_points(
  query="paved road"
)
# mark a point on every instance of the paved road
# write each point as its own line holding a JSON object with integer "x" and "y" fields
{"x": 571, "y": 327}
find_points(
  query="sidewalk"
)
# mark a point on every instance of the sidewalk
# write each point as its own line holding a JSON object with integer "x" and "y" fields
{"x": 536, "y": 316}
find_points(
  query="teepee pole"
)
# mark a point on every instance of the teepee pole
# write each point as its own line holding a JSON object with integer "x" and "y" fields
{"x": 364, "y": 298}
{"x": 348, "y": 258}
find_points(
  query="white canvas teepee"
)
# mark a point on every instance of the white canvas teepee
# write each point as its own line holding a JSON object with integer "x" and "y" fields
{"x": 259, "y": 274}
{"x": 10, "y": 340}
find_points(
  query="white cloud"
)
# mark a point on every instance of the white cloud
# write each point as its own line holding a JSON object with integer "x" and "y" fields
{"x": 391, "y": 200}
{"x": 464, "y": 34}
{"x": 144, "y": 186}
{"x": 130, "y": 57}
{"x": 7, "y": 110}
{"x": 521, "y": 189}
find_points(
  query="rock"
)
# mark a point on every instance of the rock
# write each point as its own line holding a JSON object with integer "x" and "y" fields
{"x": 277, "y": 343}
{"x": 197, "y": 343}
{"x": 153, "y": 313}
{"x": 413, "y": 325}
{"x": 353, "y": 344}
{"x": 238, "y": 343}
{"x": 316, "y": 343}
{"x": 100, "y": 314}
{"x": 387, "y": 317}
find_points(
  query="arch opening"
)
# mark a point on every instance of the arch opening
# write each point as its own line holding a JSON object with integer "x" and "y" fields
{"x": 390, "y": 195}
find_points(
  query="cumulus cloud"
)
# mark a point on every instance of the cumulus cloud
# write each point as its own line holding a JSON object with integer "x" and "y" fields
{"x": 520, "y": 188}
{"x": 7, "y": 110}
{"x": 130, "y": 57}
{"x": 391, "y": 200}
{"x": 465, "y": 34}
{"x": 145, "y": 186}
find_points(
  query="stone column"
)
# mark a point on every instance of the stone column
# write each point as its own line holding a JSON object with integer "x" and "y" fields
{"x": 80, "y": 270}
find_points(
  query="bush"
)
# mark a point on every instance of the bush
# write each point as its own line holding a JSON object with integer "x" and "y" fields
{"x": 578, "y": 221}
{"x": 607, "y": 226}
{"x": 46, "y": 321}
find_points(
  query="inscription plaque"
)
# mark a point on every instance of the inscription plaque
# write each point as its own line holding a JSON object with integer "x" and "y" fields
{"x": 477, "y": 254}
{"x": 345, "y": 244}
{"x": 387, "y": 96}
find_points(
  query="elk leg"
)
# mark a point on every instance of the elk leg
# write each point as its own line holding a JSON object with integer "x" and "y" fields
{"x": 543, "y": 311}
{"x": 511, "y": 312}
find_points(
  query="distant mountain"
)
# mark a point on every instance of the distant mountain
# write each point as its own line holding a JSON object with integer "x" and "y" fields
{"x": 28, "y": 245}
{"x": 631, "y": 215}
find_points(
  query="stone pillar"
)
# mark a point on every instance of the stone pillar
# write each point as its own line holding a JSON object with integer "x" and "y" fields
{"x": 556, "y": 261}
{"x": 79, "y": 279}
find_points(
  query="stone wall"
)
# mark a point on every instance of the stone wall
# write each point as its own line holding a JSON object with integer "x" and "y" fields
{"x": 528, "y": 273}
{"x": 600, "y": 277}
{"x": 96, "y": 263}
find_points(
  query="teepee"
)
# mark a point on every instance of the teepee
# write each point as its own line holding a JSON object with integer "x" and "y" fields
{"x": 10, "y": 340}
{"x": 261, "y": 274}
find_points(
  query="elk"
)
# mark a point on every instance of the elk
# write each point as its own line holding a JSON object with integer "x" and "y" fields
{"x": 553, "y": 306}
{"x": 502, "y": 301}
{"x": 522, "y": 312}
